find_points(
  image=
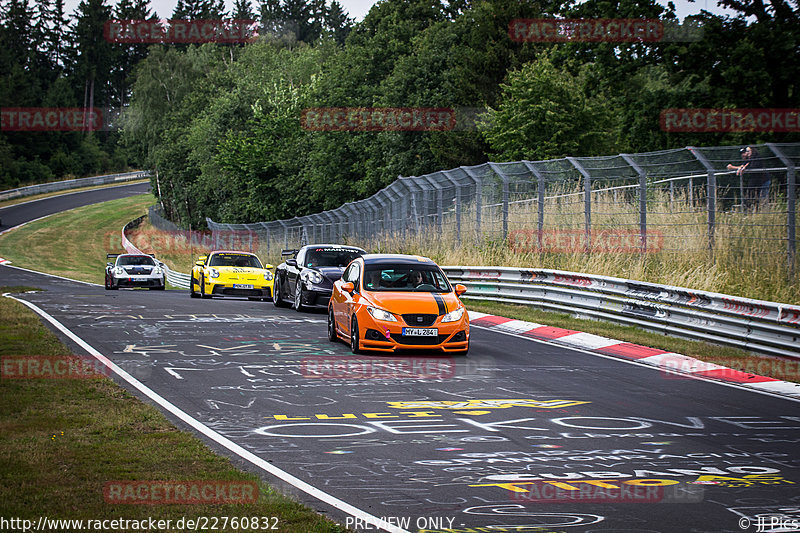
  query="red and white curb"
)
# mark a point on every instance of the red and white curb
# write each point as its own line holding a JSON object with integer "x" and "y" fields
{"x": 667, "y": 361}
{"x": 4, "y": 261}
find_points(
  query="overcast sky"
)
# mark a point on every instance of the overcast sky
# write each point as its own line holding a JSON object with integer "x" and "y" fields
{"x": 359, "y": 8}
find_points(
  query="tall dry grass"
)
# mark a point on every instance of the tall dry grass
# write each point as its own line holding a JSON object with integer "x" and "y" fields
{"x": 748, "y": 257}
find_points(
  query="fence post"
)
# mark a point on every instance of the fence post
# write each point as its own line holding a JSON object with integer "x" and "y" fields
{"x": 540, "y": 190}
{"x": 712, "y": 197}
{"x": 503, "y": 177}
{"x": 478, "y": 198}
{"x": 791, "y": 207}
{"x": 642, "y": 201}
{"x": 458, "y": 204}
{"x": 587, "y": 201}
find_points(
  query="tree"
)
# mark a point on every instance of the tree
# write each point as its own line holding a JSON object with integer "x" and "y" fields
{"x": 128, "y": 55}
{"x": 93, "y": 56}
{"x": 776, "y": 32}
{"x": 544, "y": 113}
{"x": 243, "y": 10}
{"x": 337, "y": 22}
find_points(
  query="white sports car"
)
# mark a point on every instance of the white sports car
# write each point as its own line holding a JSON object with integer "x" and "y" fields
{"x": 134, "y": 270}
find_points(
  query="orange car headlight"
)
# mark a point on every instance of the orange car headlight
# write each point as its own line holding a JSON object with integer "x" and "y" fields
{"x": 380, "y": 314}
{"x": 453, "y": 316}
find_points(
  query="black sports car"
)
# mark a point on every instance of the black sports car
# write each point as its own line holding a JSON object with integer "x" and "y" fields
{"x": 306, "y": 279}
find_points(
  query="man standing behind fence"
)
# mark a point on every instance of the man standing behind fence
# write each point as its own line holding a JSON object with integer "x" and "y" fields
{"x": 758, "y": 181}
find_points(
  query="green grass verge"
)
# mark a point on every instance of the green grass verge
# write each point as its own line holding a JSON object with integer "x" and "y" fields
{"x": 712, "y": 353}
{"x": 62, "y": 440}
{"x": 23, "y": 199}
{"x": 74, "y": 243}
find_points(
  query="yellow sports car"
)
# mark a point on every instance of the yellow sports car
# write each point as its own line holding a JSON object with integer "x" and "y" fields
{"x": 224, "y": 273}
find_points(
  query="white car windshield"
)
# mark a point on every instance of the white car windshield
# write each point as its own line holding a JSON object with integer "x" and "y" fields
{"x": 135, "y": 260}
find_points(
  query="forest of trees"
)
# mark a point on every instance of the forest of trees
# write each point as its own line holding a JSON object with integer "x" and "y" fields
{"x": 221, "y": 123}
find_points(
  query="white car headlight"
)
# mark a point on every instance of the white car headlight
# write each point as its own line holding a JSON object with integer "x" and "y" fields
{"x": 311, "y": 276}
{"x": 453, "y": 316}
{"x": 119, "y": 271}
{"x": 268, "y": 275}
{"x": 157, "y": 271}
{"x": 214, "y": 273}
{"x": 380, "y": 314}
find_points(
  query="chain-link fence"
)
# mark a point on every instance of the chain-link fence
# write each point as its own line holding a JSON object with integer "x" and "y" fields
{"x": 687, "y": 200}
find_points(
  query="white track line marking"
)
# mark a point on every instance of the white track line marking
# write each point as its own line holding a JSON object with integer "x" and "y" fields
{"x": 213, "y": 435}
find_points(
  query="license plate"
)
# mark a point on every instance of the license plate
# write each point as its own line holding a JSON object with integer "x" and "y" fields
{"x": 242, "y": 286}
{"x": 420, "y": 332}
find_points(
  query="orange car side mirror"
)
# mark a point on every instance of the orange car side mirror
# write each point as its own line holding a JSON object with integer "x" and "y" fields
{"x": 460, "y": 289}
{"x": 348, "y": 286}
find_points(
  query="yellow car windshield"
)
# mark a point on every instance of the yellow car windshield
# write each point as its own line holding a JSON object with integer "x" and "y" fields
{"x": 235, "y": 260}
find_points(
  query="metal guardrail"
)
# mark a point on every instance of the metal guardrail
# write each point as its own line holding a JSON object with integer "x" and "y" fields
{"x": 174, "y": 278}
{"x": 177, "y": 279}
{"x": 755, "y": 325}
{"x": 64, "y": 185}
{"x": 758, "y": 326}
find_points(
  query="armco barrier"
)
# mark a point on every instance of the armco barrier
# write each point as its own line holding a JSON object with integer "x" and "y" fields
{"x": 71, "y": 184}
{"x": 754, "y": 325}
{"x": 176, "y": 279}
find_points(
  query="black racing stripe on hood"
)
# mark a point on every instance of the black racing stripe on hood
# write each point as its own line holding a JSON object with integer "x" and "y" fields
{"x": 440, "y": 303}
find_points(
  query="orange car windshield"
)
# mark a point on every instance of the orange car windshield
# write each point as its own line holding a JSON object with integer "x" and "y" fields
{"x": 405, "y": 279}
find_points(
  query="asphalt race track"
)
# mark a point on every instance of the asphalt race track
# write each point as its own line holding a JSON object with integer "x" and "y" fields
{"x": 520, "y": 435}
{"x": 14, "y": 215}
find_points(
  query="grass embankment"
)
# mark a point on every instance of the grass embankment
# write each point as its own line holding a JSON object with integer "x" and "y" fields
{"x": 31, "y": 198}
{"x": 62, "y": 440}
{"x": 74, "y": 243}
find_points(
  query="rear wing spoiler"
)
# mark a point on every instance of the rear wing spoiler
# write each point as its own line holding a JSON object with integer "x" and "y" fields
{"x": 112, "y": 256}
{"x": 286, "y": 253}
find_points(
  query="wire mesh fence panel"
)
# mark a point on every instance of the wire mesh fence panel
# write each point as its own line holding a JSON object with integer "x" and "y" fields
{"x": 718, "y": 203}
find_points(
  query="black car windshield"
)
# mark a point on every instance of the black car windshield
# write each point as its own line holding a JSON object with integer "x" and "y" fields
{"x": 330, "y": 257}
{"x": 235, "y": 260}
{"x": 405, "y": 278}
{"x": 135, "y": 260}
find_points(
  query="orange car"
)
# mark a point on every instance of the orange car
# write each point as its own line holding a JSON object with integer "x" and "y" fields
{"x": 388, "y": 302}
